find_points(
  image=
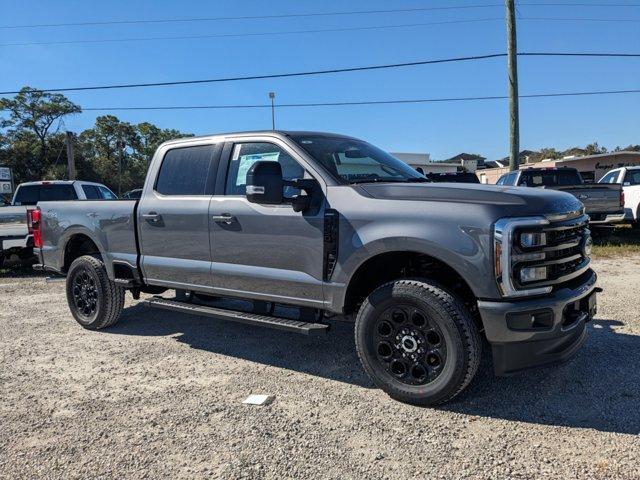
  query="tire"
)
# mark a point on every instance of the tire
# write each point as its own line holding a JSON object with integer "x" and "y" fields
{"x": 434, "y": 331}
{"x": 94, "y": 300}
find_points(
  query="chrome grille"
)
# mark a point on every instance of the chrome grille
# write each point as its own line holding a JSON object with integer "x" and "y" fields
{"x": 559, "y": 258}
{"x": 563, "y": 255}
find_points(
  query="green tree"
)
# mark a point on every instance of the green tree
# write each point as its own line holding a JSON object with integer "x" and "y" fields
{"x": 34, "y": 112}
{"x": 109, "y": 146}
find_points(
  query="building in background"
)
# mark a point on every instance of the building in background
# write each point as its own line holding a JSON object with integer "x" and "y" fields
{"x": 591, "y": 167}
{"x": 422, "y": 162}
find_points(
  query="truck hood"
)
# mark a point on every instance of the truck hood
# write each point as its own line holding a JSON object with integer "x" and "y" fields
{"x": 510, "y": 200}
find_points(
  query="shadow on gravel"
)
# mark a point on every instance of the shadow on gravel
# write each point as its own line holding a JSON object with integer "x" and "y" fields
{"x": 599, "y": 388}
{"x": 332, "y": 356}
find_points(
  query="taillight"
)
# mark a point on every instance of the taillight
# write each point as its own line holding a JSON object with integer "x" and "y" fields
{"x": 622, "y": 198}
{"x": 33, "y": 223}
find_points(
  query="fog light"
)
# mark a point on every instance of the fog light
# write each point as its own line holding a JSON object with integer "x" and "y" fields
{"x": 533, "y": 274}
{"x": 533, "y": 239}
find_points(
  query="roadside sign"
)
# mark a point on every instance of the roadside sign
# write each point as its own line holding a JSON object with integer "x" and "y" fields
{"x": 6, "y": 183}
{"x": 5, "y": 173}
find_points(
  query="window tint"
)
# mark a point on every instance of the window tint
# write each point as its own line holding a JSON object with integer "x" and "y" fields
{"x": 550, "y": 178}
{"x": 246, "y": 154}
{"x": 184, "y": 171}
{"x": 27, "y": 195}
{"x": 91, "y": 192}
{"x": 106, "y": 194}
{"x": 611, "y": 177}
{"x": 49, "y": 193}
{"x": 632, "y": 177}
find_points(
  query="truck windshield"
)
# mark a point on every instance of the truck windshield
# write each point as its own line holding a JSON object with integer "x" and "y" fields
{"x": 355, "y": 161}
{"x": 550, "y": 178}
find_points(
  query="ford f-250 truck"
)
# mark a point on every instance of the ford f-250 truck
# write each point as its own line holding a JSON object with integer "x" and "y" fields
{"x": 332, "y": 225}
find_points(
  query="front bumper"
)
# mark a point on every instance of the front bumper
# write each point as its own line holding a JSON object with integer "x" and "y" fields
{"x": 515, "y": 348}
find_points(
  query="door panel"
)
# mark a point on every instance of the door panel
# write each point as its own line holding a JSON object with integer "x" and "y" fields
{"x": 264, "y": 250}
{"x": 267, "y": 250}
{"x": 174, "y": 239}
{"x": 173, "y": 218}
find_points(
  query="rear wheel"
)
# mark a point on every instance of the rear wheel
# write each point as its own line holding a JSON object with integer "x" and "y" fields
{"x": 417, "y": 342}
{"x": 94, "y": 300}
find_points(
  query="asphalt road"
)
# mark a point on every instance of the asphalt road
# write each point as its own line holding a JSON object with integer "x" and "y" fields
{"x": 159, "y": 396}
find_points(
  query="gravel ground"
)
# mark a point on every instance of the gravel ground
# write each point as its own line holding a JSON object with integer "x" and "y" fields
{"x": 159, "y": 396}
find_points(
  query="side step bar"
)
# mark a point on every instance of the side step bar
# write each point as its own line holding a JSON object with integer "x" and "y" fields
{"x": 241, "y": 317}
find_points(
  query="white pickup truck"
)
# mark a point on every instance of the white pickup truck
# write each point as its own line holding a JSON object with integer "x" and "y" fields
{"x": 15, "y": 235}
{"x": 629, "y": 178}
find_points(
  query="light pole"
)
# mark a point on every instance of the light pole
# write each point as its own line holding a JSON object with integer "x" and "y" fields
{"x": 272, "y": 96}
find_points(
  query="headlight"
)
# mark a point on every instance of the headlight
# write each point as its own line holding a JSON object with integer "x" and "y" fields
{"x": 533, "y": 239}
{"x": 508, "y": 234}
{"x": 533, "y": 274}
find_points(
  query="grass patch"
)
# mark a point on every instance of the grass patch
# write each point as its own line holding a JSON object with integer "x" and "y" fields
{"x": 618, "y": 242}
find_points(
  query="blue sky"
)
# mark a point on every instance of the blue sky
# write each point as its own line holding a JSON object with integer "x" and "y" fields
{"x": 442, "y": 129}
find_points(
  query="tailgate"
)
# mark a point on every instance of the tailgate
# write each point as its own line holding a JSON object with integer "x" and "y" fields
{"x": 13, "y": 222}
{"x": 597, "y": 198}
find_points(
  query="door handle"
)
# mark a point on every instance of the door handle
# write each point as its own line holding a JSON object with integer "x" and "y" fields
{"x": 224, "y": 218}
{"x": 152, "y": 217}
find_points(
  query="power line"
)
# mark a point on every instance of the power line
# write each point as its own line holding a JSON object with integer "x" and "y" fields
{"x": 268, "y": 76}
{"x": 566, "y": 19}
{"x": 297, "y": 32}
{"x": 316, "y": 14}
{"x": 331, "y": 71}
{"x": 364, "y": 102}
{"x": 249, "y": 34}
{"x": 578, "y": 4}
{"x": 259, "y": 17}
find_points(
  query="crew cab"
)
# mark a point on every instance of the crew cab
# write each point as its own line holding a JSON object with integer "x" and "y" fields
{"x": 629, "y": 179}
{"x": 328, "y": 225}
{"x": 603, "y": 203}
{"x": 15, "y": 234}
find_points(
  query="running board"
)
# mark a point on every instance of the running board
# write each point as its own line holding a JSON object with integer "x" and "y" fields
{"x": 242, "y": 317}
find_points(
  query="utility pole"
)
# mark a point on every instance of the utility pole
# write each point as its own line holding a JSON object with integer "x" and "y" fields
{"x": 121, "y": 146}
{"x": 70, "y": 160}
{"x": 514, "y": 115}
{"x": 272, "y": 96}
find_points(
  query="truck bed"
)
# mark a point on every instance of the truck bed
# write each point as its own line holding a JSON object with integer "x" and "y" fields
{"x": 598, "y": 198}
{"x": 109, "y": 223}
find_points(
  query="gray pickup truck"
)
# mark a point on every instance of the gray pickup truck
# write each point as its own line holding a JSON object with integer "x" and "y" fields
{"x": 306, "y": 226}
{"x": 603, "y": 203}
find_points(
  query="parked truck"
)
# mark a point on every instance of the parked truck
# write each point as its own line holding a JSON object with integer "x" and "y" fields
{"x": 333, "y": 226}
{"x": 15, "y": 234}
{"x": 629, "y": 179}
{"x": 603, "y": 203}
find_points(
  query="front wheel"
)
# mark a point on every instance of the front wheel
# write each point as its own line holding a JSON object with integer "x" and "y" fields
{"x": 417, "y": 342}
{"x": 94, "y": 300}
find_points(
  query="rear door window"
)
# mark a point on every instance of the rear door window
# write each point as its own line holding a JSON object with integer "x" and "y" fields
{"x": 51, "y": 193}
{"x": 632, "y": 177}
{"x": 106, "y": 194}
{"x": 27, "y": 195}
{"x": 184, "y": 171}
{"x": 91, "y": 192}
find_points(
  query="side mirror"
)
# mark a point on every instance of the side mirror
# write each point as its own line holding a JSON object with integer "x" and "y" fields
{"x": 265, "y": 183}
